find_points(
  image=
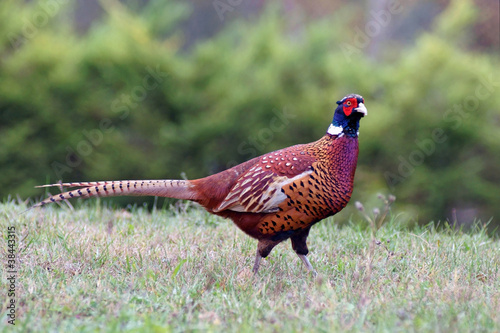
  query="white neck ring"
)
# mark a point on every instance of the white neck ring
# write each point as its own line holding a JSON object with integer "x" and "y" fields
{"x": 335, "y": 130}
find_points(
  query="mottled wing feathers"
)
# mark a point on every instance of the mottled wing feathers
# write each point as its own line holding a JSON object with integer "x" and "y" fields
{"x": 289, "y": 161}
{"x": 258, "y": 190}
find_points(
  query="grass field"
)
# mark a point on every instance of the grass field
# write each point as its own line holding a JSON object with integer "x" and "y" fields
{"x": 98, "y": 269}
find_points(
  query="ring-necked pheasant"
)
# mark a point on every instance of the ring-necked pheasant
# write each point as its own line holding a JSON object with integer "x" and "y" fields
{"x": 273, "y": 197}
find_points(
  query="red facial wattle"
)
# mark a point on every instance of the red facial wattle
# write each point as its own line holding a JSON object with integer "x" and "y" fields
{"x": 349, "y": 105}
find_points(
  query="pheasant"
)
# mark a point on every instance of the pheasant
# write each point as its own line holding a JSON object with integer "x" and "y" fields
{"x": 273, "y": 197}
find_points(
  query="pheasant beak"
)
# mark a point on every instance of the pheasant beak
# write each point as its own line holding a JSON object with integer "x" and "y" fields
{"x": 361, "y": 109}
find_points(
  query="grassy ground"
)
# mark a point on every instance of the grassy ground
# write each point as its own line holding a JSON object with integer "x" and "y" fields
{"x": 97, "y": 269}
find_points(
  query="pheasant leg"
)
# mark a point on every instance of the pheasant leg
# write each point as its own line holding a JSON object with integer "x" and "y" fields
{"x": 256, "y": 265}
{"x": 306, "y": 262}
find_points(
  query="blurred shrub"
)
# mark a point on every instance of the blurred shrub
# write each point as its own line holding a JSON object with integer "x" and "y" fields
{"x": 123, "y": 101}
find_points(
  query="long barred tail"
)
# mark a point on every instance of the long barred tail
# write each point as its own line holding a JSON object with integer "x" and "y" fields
{"x": 179, "y": 189}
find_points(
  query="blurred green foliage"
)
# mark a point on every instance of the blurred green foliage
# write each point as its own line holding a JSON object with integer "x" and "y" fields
{"x": 125, "y": 101}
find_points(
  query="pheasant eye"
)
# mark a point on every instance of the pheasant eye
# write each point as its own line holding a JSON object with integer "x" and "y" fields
{"x": 348, "y": 103}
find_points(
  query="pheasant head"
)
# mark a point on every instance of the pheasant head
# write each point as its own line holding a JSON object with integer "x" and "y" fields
{"x": 349, "y": 111}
